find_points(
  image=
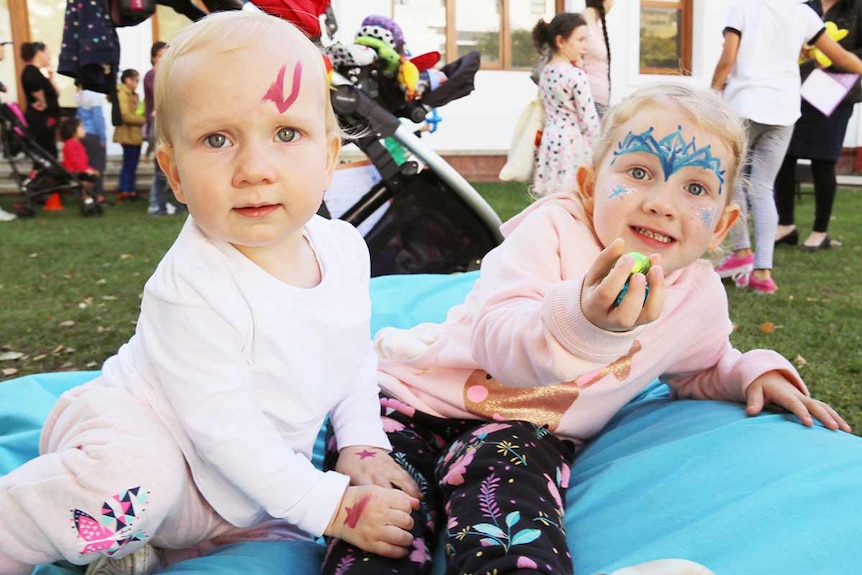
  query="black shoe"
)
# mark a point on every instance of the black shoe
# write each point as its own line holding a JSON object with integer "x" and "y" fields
{"x": 824, "y": 245}
{"x": 790, "y": 239}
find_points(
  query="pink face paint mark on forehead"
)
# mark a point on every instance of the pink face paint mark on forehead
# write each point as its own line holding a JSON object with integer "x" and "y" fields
{"x": 276, "y": 90}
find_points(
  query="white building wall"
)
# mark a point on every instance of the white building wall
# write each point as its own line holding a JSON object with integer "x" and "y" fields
{"x": 484, "y": 121}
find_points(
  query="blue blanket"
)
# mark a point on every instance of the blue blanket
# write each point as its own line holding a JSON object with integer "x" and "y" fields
{"x": 666, "y": 478}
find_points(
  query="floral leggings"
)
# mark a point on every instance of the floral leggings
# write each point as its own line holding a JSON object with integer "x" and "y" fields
{"x": 500, "y": 484}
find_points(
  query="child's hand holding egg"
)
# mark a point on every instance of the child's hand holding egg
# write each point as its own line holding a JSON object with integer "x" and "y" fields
{"x": 641, "y": 266}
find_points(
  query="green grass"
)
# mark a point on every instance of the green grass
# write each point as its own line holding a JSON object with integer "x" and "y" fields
{"x": 60, "y": 268}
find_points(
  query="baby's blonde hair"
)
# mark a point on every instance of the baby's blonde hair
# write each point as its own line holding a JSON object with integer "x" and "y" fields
{"x": 224, "y": 31}
{"x": 706, "y": 108}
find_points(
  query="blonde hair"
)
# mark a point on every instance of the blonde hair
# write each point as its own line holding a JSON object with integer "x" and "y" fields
{"x": 225, "y": 31}
{"x": 706, "y": 108}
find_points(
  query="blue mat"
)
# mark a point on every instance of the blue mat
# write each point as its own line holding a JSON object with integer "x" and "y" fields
{"x": 691, "y": 479}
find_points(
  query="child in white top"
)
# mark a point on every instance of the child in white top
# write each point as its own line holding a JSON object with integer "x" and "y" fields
{"x": 253, "y": 328}
{"x": 490, "y": 407}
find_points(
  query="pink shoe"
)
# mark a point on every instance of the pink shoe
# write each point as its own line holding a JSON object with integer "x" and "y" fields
{"x": 734, "y": 265}
{"x": 766, "y": 286}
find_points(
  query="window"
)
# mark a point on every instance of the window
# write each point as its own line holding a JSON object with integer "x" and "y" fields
{"x": 500, "y": 29}
{"x": 665, "y": 37}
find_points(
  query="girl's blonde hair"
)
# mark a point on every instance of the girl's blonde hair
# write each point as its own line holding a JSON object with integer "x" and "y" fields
{"x": 706, "y": 108}
{"x": 222, "y": 32}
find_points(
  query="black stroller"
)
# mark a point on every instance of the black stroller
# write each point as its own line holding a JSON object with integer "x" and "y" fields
{"x": 426, "y": 217}
{"x": 45, "y": 175}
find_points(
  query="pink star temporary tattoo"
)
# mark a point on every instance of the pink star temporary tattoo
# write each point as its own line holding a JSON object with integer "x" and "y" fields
{"x": 355, "y": 512}
{"x": 364, "y": 454}
{"x": 276, "y": 90}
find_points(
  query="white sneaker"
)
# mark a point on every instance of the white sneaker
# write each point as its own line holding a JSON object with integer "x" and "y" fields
{"x": 170, "y": 208}
{"x": 144, "y": 561}
{"x": 6, "y": 216}
{"x": 665, "y": 567}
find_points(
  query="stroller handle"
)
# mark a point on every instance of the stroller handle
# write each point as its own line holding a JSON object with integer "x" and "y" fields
{"x": 451, "y": 177}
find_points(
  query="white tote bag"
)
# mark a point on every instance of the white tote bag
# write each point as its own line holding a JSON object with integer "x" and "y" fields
{"x": 521, "y": 161}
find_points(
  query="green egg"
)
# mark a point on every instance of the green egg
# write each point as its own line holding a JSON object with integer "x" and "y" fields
{"x": 641, "y": 265}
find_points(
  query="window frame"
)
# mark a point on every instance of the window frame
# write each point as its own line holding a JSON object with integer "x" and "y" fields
{"x": 505, "y": 55}
{"x": 686, "y": 7}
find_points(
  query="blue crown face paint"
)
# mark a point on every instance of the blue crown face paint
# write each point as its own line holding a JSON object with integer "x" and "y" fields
{"x": 673, "y": 152}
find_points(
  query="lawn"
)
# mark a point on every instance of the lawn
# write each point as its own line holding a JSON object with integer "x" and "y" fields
{"x": 70, "y": 291}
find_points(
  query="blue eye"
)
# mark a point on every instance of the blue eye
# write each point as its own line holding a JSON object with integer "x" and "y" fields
{"x": 696, "y": 189}
{"x": 216, "y": 141}
{"x": 638, "y": 173}
{"x": 287, "y": 135}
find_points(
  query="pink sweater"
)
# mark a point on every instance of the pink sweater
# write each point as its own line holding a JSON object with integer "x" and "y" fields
{"x": 523, "y": 324}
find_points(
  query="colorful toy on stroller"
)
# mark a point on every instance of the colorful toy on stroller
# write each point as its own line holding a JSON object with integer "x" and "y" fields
{"x": 46, "y": 176}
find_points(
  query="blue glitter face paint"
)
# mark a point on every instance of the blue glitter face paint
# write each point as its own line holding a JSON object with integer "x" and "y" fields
{"x": 673, "y": 152}
{"x": 707, "y": 216}
{"x": 619, "y": 192}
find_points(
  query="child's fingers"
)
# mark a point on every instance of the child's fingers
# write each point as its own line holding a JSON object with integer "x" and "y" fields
{"x": 631, "y": 306}
{"x": 405, "y": 483}
{"x": 655, "y": 299}
{"x": 393, "y": 543}
{"x": 755, "y": 400}
{"x": 830, "y": 418}
{"x": 798, "y": 408}
{"x": 400, "y": 519}
{"x": 604, "y": 263}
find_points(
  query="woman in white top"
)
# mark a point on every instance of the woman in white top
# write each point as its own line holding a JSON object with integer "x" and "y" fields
{"x": 759, "y": 75}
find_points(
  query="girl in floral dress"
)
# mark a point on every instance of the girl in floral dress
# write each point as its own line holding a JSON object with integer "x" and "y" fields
{"x": 571, "y": 122}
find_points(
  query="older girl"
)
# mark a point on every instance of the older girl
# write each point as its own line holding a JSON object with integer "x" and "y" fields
{"x": 571, "y": 122}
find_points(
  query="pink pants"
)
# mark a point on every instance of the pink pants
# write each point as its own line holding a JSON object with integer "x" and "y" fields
{"x": 111, "y": 480}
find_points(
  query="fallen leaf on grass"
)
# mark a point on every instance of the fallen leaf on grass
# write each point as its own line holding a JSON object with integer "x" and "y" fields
{"x": 103, "y": 329}
{"x": 39, "y": 357}
{"x": 58, "y": 349}
{"x": 67, "y": 323}
{"x": 734, "y": 326}
{"x": 34, "y": 255}
{"x": 811, "y": 299}
{"x": 768, "y": 327}
{"x": 10, "y": 355}
{"x": 109, "y": 297}
{"x": 102, "y": 282}
{"x": 800, "y": 361}
{"x": 9, "y": 371}
{"x": 126, "y": 256}
{"x": 92, "y": 364}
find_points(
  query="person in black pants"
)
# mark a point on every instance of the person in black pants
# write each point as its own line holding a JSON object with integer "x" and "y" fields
{"x": 819, "y": 138}
{"x": 43, "y": 108}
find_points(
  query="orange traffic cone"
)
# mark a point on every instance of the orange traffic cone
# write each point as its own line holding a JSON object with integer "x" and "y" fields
{"x": 53, "y": 203}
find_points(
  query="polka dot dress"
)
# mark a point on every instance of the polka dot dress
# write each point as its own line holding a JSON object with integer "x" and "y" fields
{"x": 571, "y": 125}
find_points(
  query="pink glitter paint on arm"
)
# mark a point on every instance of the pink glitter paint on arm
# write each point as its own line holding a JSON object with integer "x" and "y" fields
{"x": 276, "y": 90}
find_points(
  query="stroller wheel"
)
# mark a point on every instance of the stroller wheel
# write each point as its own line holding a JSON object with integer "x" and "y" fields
{"x": 24, "y": 211}
{"x": 91, "y": 209}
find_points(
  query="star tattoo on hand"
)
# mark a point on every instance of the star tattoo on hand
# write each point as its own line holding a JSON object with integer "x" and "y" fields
{"x": 355, "y": 512}
{"x": 364, "y": 454}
